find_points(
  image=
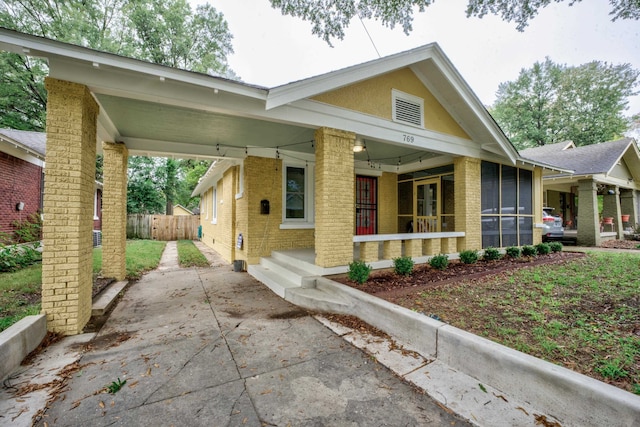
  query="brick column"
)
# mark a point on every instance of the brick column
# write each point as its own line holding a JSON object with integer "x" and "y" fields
{"x": 466, "y": 175}
{"x": 628, "y": 205}
{"x": 114, "y": 210}
{"x": 68, "y": 206}
{"x": 335, "y": 198}
{"x": 588, "y": 218}
{"x": 611, "y": 208}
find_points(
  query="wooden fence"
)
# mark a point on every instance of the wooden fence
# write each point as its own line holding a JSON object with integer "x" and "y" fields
{"x": 163, "y": 227}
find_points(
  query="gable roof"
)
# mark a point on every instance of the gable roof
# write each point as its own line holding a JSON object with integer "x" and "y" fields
{"x": 586, "y": 160}
{"x": 33, "y": 142}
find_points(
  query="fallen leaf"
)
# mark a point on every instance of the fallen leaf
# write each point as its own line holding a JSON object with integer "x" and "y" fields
{"x": 133, "y": 384}
{"x": 266, "y": 391}
{"x": 75, "y": 404}
{"x": 156, "y": 365}
{"x": 523, "y": 410}
{"x": 244, "y": 420}
{"x": 101, "y": 404}
{"x": 148, "y": 372}
{"x": 499, "y": 396}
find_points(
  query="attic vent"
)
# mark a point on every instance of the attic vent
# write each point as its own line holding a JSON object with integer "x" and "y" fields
{"x": 407, "y": 108}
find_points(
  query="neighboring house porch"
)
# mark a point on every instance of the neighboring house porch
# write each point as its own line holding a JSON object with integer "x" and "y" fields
{"x": 600, "y": 200}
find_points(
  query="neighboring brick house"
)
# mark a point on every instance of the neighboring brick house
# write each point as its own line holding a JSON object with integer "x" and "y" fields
{"x": 22, "y": 155}
{"x": 21, "y": 176}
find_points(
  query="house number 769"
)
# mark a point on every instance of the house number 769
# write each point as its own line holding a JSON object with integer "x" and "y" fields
{"x": 408, "y": 138}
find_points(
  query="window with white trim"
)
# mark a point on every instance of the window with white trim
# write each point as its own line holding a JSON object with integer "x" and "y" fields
{"x": 407, "y": 109}
{"x": 214, "y": 205}
{"x": 297, "y": 194}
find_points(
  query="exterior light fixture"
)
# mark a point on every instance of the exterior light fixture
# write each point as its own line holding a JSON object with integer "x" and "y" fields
{"x": 359, "y": 146}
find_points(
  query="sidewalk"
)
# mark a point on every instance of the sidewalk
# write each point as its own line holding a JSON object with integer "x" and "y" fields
{"x": 213, "y": 347}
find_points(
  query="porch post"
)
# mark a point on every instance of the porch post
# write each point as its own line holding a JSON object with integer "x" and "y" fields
{"x": 611, "y": 208}
{"x": 588, "y": 220}
{"x": 467, "y": 188}
{"x": 68, "y": 206}
{"x": 335, "y": 198}
{"x": 114, "y": 218}
{"x": 628, "y": 205}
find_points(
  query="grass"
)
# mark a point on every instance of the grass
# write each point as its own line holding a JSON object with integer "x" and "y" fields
{"x": 20, "y": 291}
{"x": 190, "y": 256}
{"x": 141, "y": 256}
{"x": 584, "y": 314}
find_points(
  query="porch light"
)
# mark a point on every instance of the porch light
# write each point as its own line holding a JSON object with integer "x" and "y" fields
{"x": 359, "y": 146}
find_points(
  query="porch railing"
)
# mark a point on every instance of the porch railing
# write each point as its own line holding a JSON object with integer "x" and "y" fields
{"x": 415, "y": 244}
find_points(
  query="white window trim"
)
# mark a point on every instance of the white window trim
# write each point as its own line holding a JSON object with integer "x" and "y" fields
{"x": 240, "y": 192}
{"x": 309, "y": 197}
{"x": 395, "y": 93}
{"x": 205, "y": 204}
{"x": 214, "y": 205}
{"x": 95, "y": 206}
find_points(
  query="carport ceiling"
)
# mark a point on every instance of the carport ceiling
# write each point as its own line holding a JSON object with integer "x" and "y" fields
{"x": 157, "y": 129}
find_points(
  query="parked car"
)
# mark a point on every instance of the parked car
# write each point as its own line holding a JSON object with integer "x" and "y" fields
{"x": 552, "y": 226}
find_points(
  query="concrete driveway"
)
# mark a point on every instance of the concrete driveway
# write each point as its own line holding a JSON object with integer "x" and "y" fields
{"x": 217, "y": 348}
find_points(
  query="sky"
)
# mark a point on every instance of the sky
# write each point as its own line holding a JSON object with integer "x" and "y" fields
{"x": 271, "y": 49}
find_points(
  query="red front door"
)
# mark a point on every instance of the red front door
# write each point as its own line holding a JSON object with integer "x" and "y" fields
{"x": 366, "y": 205}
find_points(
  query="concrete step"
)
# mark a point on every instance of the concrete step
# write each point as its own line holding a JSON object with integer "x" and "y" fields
{"x": 274, "y": 281}
{"x": 287, "y": 269}
{"x": 107, "y": 297}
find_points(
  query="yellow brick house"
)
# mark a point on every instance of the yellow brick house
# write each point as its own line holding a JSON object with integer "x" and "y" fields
{"x": 392, "y": 156}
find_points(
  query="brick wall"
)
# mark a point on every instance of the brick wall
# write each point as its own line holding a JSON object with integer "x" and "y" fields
{"x": 221, "y": 235}
{"x": 20, "y": 181}
{"x": 114, "y": 228}
{"x": 467, "y": 188}
{"x": 335, "y": 199}
{"x": 68, "y": 206}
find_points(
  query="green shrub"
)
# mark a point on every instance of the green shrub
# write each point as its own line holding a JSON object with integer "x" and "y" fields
{"x": 439, "y": 262}
{"x": 359, "y": 271}
{"x": 492, "y": 254}
{"x": 27, "y": 230}
{"x": 555, "y": 246}
{"x": 469, "y": 256}
{"x": 529, "y": 250}
{"x": 543, "y": 248}
{"x": 514, "y": 252}
{"x": 16, "y": 257}
{"x": 403, "y": 265}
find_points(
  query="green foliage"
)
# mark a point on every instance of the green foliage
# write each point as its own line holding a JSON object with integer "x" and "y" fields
{"x": 330, "y": 19}
{"x": 469, "y": 256}
{"x": 551, "y": 102}
{"x": 555, "y": 246}
{"x": 19, "y": 294}
{"x": 403, "y": 265}
{"x": 115, "y": 386}
{"x": 544, "y": 248}
{"x": 439, "y": 262}
{"x": 190, "y": 256}
{"x": 359, "y": 271}
{"x": 491, "y": 254}
{"x": 164, "y": 32}
{"x": 529, "y": 250}
{"x": 513, "y": 251}
{"x": 27, "y": 230}
{"x": 16, "y": 257}
{"x": 612, "y": 369}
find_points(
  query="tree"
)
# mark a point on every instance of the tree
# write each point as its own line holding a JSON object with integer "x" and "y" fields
{"x": 164, "y": 32}
{"x": 145, "y": 185}
{"x": 550, "y": 102}
{"x": 330, "y": 18}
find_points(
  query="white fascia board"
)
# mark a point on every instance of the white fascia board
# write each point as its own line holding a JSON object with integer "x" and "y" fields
{"x": 302, "y": 89}
{"x": 20, "y": 151}
{"x": 38, "y": 46}
{"x": 544, "y": 166}
{"x": 213, "y": 175}
{"x": 367, "y": 126}
{"x": 622, "y": 154}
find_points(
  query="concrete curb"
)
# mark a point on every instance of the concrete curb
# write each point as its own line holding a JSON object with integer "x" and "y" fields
{"x": 20, "y": 339}
{"x": 572, "y": 398}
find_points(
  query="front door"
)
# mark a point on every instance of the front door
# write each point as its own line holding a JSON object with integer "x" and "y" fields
{"x": 366, "y": 205}
{"x": 426, "y": 207}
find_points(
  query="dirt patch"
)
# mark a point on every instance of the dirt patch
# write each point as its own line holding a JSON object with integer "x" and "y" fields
{"x": 99, "y": 284}
{"x": 106, "y": 341}
{"x": 621, "y": 244}
{"x": 293, "y": 314}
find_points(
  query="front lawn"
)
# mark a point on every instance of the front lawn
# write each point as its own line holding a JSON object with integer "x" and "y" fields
{"x": 583, "y": 314}
{"x": 20, "y": 290}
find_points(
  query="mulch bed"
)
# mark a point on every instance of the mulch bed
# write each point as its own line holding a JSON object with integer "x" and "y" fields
{"x": 388, "y": 285}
